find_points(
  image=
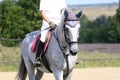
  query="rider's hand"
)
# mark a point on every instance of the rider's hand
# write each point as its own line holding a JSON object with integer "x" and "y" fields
{"x": 52, "y": 25}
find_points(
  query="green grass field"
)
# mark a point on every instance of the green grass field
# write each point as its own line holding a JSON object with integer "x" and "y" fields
{"x": 10, "y": 57}
{"x": 97, "y": 59}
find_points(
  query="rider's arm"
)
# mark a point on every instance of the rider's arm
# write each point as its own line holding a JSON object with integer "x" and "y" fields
{"x": 62, "y": 10}
{"x": 43, "y": 13}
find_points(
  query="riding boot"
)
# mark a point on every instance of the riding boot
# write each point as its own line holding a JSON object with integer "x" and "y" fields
{"x": 40, "y": 47}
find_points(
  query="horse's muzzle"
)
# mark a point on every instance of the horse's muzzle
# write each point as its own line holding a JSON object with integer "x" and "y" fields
{"x": 74, "y": 49}
{"x": 73, "y": 53}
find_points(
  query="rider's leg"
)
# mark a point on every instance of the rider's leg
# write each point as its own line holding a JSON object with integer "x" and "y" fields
{"x": 40, "y": 47}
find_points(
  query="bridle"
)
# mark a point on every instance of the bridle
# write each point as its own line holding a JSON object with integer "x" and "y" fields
{"x": 72, "y": 23}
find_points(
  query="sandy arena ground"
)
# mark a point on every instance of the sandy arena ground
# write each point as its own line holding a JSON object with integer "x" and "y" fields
{"x": 78, "y": 74}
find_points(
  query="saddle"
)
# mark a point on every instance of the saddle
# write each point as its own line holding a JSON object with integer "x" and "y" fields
{"x": 34, "y": 44}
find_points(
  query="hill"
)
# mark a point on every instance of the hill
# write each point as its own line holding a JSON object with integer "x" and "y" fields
{"x": 95, "y": 10}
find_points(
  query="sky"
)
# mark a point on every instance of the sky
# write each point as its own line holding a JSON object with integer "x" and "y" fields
{"x": 90, "y": 1}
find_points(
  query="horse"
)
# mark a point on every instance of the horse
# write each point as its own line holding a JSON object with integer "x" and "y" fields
{"x": 61, "y": 53}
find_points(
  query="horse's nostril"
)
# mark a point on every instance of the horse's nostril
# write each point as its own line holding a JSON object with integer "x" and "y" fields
{"x": 73, "y": 53}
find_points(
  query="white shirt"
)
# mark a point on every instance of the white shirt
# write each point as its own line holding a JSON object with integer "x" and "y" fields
{"x": 53, "y": 9}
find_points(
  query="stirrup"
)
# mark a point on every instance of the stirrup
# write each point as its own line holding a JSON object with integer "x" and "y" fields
{"x": 37, "y": 62}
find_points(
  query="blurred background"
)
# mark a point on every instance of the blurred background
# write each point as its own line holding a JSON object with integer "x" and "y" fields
{"x": 99, "y": 33}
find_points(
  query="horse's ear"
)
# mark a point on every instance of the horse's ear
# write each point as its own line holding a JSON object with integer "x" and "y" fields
{"x": 79, "y": 14}
{"x": 66, "y": 13}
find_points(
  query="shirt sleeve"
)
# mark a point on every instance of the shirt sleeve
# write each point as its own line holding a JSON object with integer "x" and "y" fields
{"x": 42, "y": 5}
{"x": 63, "y": 5}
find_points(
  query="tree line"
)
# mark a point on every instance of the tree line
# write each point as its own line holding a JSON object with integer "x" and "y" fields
{"x": 102, "y": 30}
{"x": 19, "y": 17}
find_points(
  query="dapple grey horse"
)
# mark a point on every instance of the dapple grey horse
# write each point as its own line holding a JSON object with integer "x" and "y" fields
{"x": 61, "y": 53}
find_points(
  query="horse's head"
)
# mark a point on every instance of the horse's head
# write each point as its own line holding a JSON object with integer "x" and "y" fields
{"x": 71, "y": 29}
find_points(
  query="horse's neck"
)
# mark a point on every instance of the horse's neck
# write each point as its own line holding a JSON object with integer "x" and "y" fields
{"x": 61, "y": 36}
{"x": 59, "y": 32}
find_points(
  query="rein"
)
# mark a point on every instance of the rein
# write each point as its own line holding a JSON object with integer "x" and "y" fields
{"x": 46, "y": 29}
{"x": 65, "y": 56}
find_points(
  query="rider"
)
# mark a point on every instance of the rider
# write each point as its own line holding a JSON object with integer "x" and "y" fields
{"x": 51, "y": 13}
